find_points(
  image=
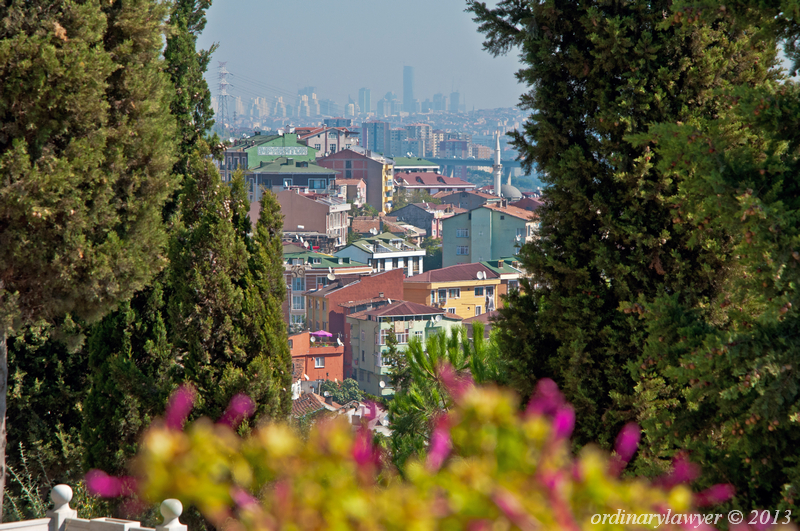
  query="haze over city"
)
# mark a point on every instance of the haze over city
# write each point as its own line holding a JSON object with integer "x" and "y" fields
{"x": 276, "y": 48}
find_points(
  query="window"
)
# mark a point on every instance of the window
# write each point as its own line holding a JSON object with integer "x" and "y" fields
{"x": 297, "y": 319}
{"x": 454, "y": 293}
{"x": 363, "y": 334}
{"x": 287, "y": 183}
{"x": 317, "y": 304}
{"x": 462, "y": 249}
{"x": 348, "y": 164}
{"x": 316, "y": 184}
{"x": 462, "y": 233}
{"x": 502, "y": 218}
{"x": 451, "y": 310}
{"x": 361, "y": 376}
{"x": 298, "y": 284}
{"x": 433, "y": 296}
{"x": 348, "y": 174}
{"x": 323, "y": 305}
{"x": 521, "y": 232}
{"x": 333, "y": 149}
{"x": 316, "y": 146}
{"x": 368, "y": 375}
{"x": 378, "y": 359}
{"x": 363, "y": 356}
{"x": 477, "y": 310}
{"x": 418, "y": 334}
{"x": 321, "y": 282}
{"x": 325, "y": 325}
{"x": 291, "y": 344}
{"x": 513, "y": 285}
{"x": 298, "y": 302}
{"x": 319, "y": 363}
{"x": 442, "y": 296}
{"x": 479, "y": 292}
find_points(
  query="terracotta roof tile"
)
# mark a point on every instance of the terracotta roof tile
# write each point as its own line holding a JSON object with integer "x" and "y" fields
{"x": 511, "y": 211}
{"x": 430, "y": 179}
{"x": 453, "y": 273}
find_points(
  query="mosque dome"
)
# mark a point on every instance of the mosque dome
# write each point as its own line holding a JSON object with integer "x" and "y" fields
{"x": 510, "y": 192}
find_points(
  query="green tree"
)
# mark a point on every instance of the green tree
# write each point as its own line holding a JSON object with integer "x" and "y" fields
{"x": 86, "y": 144}
{"x": 720, "y": 379}
{"x": 420, "y": 376}
{"x": 227, "y": 292}
{"x": 343, "y": 392}
{"x": 603, "y": 72}
{"x": 433, "y": 253}
{"x": 402, "y": 199}
{"x": 132, "y": 363}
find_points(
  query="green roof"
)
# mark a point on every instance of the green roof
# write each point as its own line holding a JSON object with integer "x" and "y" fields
{"x": 412, "y": 161}
{"x": 281, "y": 165}
{"x": 504, "y": 269}
{"x": 321, "y": 260}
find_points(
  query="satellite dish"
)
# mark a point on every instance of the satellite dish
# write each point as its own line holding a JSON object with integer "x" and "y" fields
{"x": 306, "y": 377}
{"x": 382, "y": 384}
{"x": 313, "y": 339}
{"x": 301, "y": 239}
{"x": 438, "y": 318}
{"x": 305, "y": 244}
{"x": 326, "y": 394}
{"x": 331, "y": 277}
{"x": 330, "y": 270}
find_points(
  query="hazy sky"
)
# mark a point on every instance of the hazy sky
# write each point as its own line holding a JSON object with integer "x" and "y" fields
{"x": 338, "y": 46}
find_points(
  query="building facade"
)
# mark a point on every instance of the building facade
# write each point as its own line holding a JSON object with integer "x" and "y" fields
{"x": 490, "y": 232}
{"x": 307, "y": 270}
{"x": 321, "y": 359}
{"x": 328, "y": 306}
{"x": 466, "y": 290}
{"x": 374, "y": 169}
{"x": 385, "y": 252}
{"x": 323, "y": 215}
{"x": 370, "y": 329}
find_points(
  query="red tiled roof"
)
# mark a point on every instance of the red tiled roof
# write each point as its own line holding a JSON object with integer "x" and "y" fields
{"x": 487, "y": 318}
{"x": 349, "y": 182}
{"x": 430, "y": 179}
{"x": 353, "y": 304}
{"x": 297, "y": 369}
{"x": 443, "y": 206}
{"x": 511, "y": 211}
{"x": 453, "y": 273}
{"x": 527, "y": 203}
{"x": 400, "y": 308}
{"x": 310, "y": 403}
{"x": 362, "y": 226}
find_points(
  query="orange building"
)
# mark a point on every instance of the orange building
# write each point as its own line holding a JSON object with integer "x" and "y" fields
{"x": 322, "y": 359}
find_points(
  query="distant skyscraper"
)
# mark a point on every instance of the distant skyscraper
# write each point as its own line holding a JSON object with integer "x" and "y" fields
{"x": 365, "y": 100}
{"x": 376, "y": 136}
{"x": 408, "y": 88}
{"x": 455, "y": 100}
{"x": 439, "y": 102}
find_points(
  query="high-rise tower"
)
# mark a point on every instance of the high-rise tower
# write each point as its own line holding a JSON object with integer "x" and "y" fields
{"x": 365, "y": 100}
{"x": 408, "y": 88}
{"x": 497, "y": 169}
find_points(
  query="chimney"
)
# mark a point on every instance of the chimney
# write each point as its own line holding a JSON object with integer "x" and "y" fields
{"x": 328, "y": 399}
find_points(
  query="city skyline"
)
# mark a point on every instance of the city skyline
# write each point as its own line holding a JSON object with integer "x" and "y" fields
{"x": 438, "y": 40}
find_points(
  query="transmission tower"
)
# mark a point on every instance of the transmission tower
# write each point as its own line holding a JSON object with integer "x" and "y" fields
{"x": 223, "y": 85}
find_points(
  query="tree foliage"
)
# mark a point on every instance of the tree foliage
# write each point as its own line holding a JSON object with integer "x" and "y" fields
{"x": 600, "y": 73}
{"x": 86, "y": 145}
{"x": 344, "y": 391}
{"x": 421, "y": 394}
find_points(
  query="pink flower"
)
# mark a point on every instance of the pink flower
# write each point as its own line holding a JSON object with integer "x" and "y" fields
{"x": 564, "y": 422}
{"x": 440, "y": 444}
{"x": 715, "y": 494}
{"x": 101, "y": 484}
{"x": 683, "y": 471}
{"x": 364, "y": 453}
{"x": 513, "y": 509}
{"x": 179, "y": 406}
{"x": 547, "y": 399}
{"x": 457, "y": 385}
{"x": 628, "y": 441}
{"x": 242, "y": 498}
{"x": 241, "y": 407}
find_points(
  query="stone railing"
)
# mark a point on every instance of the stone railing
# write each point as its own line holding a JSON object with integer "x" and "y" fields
{"x": 62, "y": 518}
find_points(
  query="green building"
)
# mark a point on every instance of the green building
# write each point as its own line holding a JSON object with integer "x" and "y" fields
{"x": 369, "y": 330}
{"x": 489, "y": 232}
{"x": 250, "y": 153}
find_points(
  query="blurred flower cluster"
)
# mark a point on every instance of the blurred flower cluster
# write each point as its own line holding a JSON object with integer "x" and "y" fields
{"x": 490, "y": 465}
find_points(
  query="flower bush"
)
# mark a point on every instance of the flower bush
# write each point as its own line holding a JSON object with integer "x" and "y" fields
{"x": 490, "y": 465}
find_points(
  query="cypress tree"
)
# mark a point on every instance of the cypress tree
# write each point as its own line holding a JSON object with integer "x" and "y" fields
{"x": 85, "y": 152}
{"x": 132, "y": 362}
{"x": 599, "y": 73}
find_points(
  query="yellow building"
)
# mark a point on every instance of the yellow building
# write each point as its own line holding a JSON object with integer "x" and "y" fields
{"x": 463, "y": 289}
